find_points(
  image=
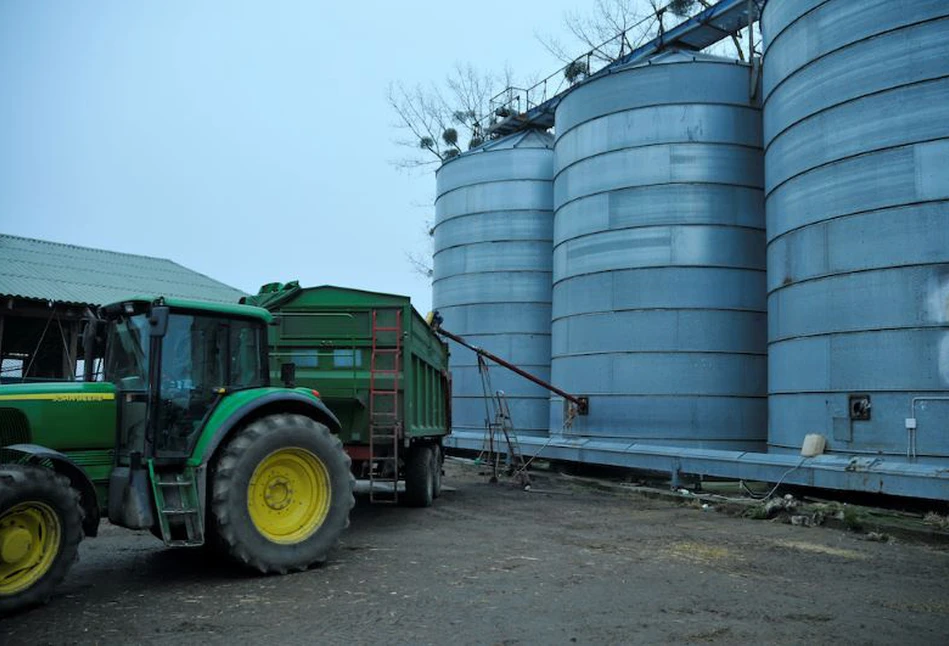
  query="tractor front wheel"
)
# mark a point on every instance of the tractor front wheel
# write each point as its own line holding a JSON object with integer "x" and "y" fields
{"x": 281, "y": 494}
{"x": 40, "y": 531}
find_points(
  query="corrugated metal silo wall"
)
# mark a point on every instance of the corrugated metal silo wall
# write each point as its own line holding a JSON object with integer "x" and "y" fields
{"x": 492, "y": 267}
{"x": 659, "y": 256}
{"x": 856, "y": 124}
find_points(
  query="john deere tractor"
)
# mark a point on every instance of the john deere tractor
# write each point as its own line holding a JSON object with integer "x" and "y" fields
{"x": 182, "y": 435}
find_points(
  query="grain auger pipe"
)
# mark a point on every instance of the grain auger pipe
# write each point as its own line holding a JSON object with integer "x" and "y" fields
{"x": 581, "y": 403}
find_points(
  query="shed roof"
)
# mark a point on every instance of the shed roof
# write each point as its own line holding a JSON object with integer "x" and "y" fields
{"x": 51, "y": 271}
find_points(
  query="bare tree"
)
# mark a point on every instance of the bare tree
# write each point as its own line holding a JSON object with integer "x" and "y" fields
{"x": 438, "y": 122}
{"x": 421, "y": 263}
{"x": 613, "y": 28}
{"x": 685, "y": 8}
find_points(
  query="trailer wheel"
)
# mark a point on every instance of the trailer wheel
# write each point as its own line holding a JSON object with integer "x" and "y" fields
{"x": 437, "y": 460}
{"x": 40, "y": 532}
{"x": 419, "y": 476}
{"x": 281, "y": 494}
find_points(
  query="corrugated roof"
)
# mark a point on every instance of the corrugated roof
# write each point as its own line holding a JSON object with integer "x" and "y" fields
{"x": 52, "y": 271}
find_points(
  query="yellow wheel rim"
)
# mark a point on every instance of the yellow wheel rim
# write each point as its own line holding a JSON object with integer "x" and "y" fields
{"x": 30, "y": 537}
{"x": 288, "y": 496}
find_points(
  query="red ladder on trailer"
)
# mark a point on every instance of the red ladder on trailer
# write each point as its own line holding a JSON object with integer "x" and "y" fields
{"x": 385, "y": 420}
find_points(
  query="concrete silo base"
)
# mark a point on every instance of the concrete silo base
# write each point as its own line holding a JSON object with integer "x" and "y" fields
{"x": 883, "y": 474}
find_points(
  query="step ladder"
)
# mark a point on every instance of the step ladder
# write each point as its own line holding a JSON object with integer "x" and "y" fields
{"x": 385, "y": 420}
{"x": 180, "y": 516}
{"x": 500, "y": 431}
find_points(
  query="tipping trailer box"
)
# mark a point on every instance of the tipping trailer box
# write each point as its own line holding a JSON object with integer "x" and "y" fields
{"x": 326, "y": 332}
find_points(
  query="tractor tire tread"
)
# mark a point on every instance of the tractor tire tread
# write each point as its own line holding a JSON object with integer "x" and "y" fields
{"x": 419, "y": 476}
{"x": 229, "y": 532}
{"x": 26, "y": 482}
{"x": 438, "y": 461}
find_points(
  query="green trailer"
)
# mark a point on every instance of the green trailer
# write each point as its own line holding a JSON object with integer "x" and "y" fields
{"x": 379, "y": 367}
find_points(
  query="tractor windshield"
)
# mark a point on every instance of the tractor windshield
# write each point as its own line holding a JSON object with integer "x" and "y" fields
{"x": 200, "y": 356}
{"x": 199, "y": 353}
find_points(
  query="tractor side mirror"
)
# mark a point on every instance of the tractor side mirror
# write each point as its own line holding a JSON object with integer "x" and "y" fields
{"x": 288, "y": 374}
{"x": 158, "y": 321}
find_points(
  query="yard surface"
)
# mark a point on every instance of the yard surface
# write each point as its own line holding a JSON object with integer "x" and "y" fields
{"x": 491, "y": 564}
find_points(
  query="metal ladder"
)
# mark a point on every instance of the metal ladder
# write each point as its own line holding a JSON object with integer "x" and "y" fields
{"x": 178, "y": 506}
{"x": 498, "y": 424}
{"x": 385, "y": 421}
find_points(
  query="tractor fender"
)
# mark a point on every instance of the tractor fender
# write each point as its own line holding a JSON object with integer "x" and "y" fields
{"x": 77, "y": 479}
{"x": 301, "y": 403}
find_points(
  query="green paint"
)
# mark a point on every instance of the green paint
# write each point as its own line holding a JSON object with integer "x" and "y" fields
{"x": 77, "y": 419}
{"x": 98, "y": 465}
{"x": 327, "y": 333}
{"x": 222, "y": 309}
{"x": 68, "y": 416}
{"x": 226, "y": 408}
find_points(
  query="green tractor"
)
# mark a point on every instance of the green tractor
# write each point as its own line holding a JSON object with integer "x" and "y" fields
{"x": 183, "y": 435}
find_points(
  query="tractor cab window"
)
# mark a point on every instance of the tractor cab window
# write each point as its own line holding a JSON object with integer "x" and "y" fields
{"x": 127, "y": 356}
{"x": 200, "y": 356}
{"x": 126, "y": 366}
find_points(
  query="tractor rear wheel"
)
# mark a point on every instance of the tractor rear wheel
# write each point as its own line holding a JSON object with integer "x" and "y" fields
{"x": 40, "y": 531}
{"x": 281, "y": 494}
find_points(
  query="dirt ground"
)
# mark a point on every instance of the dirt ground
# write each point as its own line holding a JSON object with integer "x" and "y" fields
{"x": 491, "y": 564}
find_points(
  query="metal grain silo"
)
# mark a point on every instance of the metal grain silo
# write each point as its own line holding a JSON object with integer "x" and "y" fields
{"x": 492, "y": 264}
{"x": 659, "y": 255}
{"x": 856, "y": 125}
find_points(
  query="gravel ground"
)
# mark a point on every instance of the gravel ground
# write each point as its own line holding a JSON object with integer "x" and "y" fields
{"x": 491, "y": 564}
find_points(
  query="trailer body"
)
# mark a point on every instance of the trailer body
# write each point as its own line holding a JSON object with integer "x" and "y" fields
{"x": 326, "y": 334}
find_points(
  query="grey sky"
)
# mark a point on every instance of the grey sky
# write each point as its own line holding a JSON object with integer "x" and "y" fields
{"x": 246, "y": 140}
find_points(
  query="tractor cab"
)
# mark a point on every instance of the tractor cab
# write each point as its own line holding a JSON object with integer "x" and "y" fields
{"x": 177, "y": 359}
{"x": 171, "y": 362}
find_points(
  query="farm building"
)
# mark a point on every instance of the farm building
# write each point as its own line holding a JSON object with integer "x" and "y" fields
{"x": 47, "y": 287}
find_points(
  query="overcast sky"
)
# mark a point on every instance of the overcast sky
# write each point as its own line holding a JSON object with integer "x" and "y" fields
{"x": 247, "y": 140}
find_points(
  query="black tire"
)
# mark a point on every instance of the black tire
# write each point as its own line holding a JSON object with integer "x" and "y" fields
{"x": 21, "y": 484}
{"x": 419, "y": 476}
{"x": 437, "y": 461}
{"x": 232, "y": 527}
